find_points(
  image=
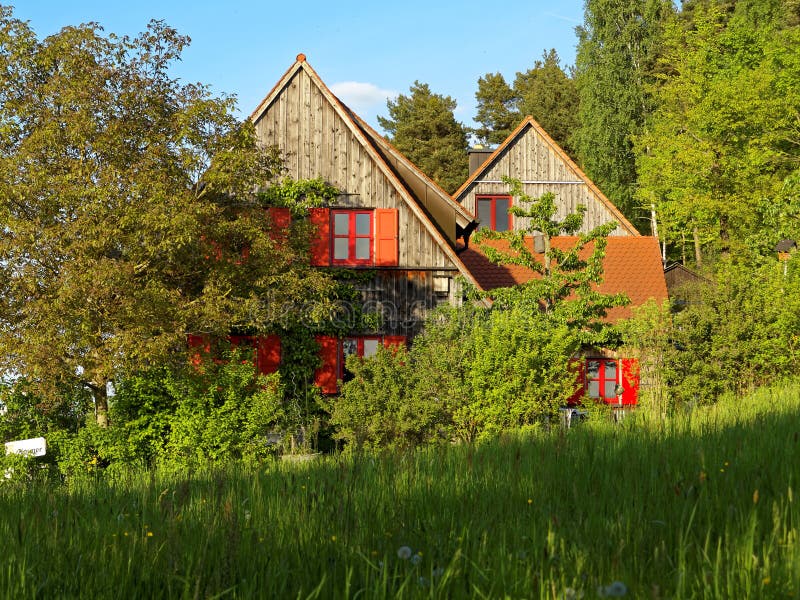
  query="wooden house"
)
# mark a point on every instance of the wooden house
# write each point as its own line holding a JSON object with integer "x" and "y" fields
{"x": 632, "y": 263}
{"x": 390, "y": 220}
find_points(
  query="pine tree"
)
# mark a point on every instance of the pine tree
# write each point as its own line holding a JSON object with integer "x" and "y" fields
{"x": 423, "y": 127}
{"x": 545, "y": 92}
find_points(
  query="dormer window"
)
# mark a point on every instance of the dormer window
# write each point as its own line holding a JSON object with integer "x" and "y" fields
{"x": 493, "y": 212}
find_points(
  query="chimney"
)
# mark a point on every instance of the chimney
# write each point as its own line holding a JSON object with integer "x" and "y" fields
{"x": 477, "y": 156}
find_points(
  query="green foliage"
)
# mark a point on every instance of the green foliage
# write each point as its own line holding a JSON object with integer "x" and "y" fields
{"x": 218, "y": 411}
{"x": 743, "y": 334}
{"x": 299, "y": 195}
{"x": 476, "y": 372}
{"x": 378, "y": 407}
{"x": 723, "y": 139}
{"x": 442, "y": 359}
{"x": 520, "y": 373}
{"x": 618, "y": 45}
{"x": 422, "y": 126}
{"x": 546, "y": 92}
{"x": 225, "y": 413}
{"x": 566, "y": 286}
{"x": 647, "y": 336}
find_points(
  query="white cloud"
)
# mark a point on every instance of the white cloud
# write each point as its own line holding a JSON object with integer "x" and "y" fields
{"x": 362, "y": 97}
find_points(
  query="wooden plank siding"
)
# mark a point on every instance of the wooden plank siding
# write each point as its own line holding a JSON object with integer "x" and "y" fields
{"x": 404, "y": 298}
{"x": 533, "y": 157}
{"x": 316, "y": 142}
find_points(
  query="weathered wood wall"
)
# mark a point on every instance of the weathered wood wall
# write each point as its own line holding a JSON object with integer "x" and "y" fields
{"x": 316, "y": 142}
{"x": 530, "y": 158}
{"x": 405, "y": 298}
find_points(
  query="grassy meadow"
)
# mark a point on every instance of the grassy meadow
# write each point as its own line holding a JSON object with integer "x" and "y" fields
{"x": 703, "y": 505}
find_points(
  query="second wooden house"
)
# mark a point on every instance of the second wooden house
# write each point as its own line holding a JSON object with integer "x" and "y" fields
{"x": 632, "y": 264}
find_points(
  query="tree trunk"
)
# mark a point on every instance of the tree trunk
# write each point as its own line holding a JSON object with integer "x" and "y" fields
{"x": 698, "y": 257}
{"x": 100, "y": 392}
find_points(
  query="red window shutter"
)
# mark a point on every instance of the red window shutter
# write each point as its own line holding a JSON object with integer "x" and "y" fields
{"x": 327, "y": 375}
{"x": 630, "y": 381}
{"x": 386, "y": 237}
{"x": 577, "y": 366}
{"x": 321, "y": 243}
{"x": 394, "y": 341}
{"x": 268, "y": 354}
{"x": 280, "y": 220}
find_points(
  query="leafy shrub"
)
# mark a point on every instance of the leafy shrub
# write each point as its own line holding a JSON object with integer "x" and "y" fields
{"x": 378, "y": 406}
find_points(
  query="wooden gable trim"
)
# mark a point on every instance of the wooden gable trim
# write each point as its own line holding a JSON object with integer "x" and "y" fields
{"x": 345, "y": 114}
{"x": 274, "y": 92}
{"x": 513, "y": 138}
{"x": 463, "y": 217}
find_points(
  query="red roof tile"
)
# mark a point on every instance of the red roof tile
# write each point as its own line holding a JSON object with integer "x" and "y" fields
{"x": 632, "y": 266}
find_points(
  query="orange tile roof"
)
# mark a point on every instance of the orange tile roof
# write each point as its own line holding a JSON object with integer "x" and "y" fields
{"x": 632, "y": 266}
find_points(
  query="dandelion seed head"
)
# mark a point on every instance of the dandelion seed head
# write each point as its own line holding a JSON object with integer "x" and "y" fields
{"x": 404, "y": 552}
{"x": 416, "y": 559}
{"x": 617, "y": 589}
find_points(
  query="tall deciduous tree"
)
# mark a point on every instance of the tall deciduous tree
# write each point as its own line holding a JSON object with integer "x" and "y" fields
{"x": 720, "y": 146}
{"x": 546, "y": 92}
{"x": 127, "y": 212}
{"x": 423, "y": 127}
{"x": 617, "y": 48}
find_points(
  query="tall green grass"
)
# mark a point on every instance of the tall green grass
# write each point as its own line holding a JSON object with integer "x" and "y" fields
{"x": 702, "y": 505}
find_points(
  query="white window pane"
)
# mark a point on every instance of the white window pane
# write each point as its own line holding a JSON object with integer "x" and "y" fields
{"x": 341, "y": 248}
{"x": 362, "y": 248}
{"x": 592, "y": 369}
{"x": 485, "y": 212}
{"x": 349, "y": 346}
{"x": 363, "y": 222}
{"x": 594, "y": 389}
{"x": 371, "y": 347}
{"x": 501, "y": 214}
{"x": 609, "y": 393}
{"x": 611, "y": 370}
{"x": 341, "y": 223}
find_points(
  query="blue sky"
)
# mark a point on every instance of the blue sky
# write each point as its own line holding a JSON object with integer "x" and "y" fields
{"x": 364, "y": 51}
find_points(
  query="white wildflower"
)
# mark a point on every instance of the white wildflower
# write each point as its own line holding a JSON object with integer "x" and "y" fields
{"x": 617, "y": 589}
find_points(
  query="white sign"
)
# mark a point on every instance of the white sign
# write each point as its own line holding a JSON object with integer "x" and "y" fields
{"x": 31, "y": 447}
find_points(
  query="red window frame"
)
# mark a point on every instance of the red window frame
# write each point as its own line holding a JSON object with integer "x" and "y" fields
{"x": 493, "y": 198}
{"x": 605, "y": 383}
{"x": 352, "y": 236}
